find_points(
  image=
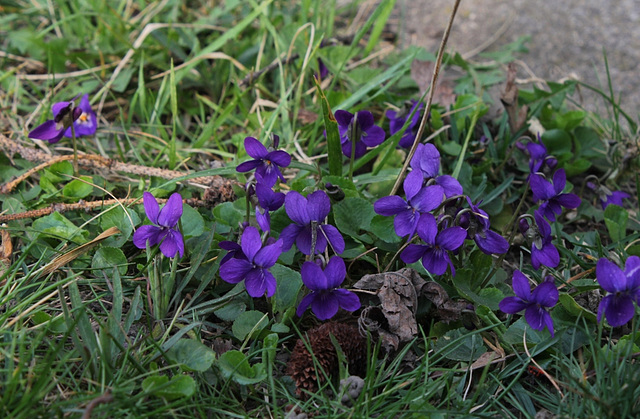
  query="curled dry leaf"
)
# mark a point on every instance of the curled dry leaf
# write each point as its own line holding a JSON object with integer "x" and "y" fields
{"x": 509, "y": 98}
{"x": 394, "y": 318}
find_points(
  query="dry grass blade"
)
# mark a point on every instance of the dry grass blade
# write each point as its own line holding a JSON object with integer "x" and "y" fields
{"x": 62, "y": 260}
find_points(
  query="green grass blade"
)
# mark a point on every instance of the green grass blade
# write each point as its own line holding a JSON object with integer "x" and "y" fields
{"x": 333, "y": 135}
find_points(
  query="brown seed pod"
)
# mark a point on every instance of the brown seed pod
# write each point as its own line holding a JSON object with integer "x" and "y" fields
{"x": 301, "y": 366}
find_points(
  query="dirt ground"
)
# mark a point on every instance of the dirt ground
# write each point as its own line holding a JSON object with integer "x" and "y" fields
{"x": 567, "y": 38}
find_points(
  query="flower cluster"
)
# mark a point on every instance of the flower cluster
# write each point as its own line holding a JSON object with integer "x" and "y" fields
{"x": 426, "y": 191}
{"x": 551, "y": 199}
{"x": 251, "y": 260}
{"x": 66, "y": 114}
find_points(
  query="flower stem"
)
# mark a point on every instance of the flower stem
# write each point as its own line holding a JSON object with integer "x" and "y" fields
{"x": 510, "y": 227}
{"x": 75, "y": 150}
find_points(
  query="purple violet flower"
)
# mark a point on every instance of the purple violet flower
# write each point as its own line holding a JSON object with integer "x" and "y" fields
{"x": 543, "y": 252}
{"x": 538, "y": 156}
{"x": 551, "y": 194}
{"x": 268, "y": 201}
{"x": 54, "y": 129}
{"x": 409, "y": 212}
{"x": 267, "y": 163}
{"x": 254, "y": 267}
{"x": 358, "y": 128}
{"x": 623, "y": 288}
{"x": 434, "y": 253}
{"x": 535, "y": 303}
{"x": 477, "y": 225}
{"x": 234, "y": 250}
{"x": 306, "y": 214}
{"x": 323, "y": 71}
{"x": 86, "y": 123}
{"x": 607, "y": 196}
{"x": 164, "y": 231}
{"x": 325, "y": 297}
{"x": 397, "y": 120}
{"x": 425, "y": 166}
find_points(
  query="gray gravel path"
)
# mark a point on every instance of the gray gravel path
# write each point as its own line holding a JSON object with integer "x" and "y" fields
{"x": 567, "y": 37}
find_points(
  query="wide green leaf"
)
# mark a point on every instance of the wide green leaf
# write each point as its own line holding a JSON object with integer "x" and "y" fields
{"x": 192, "y": 354}
{"x": 178, "y": 387}
{"x": 235, "y": 365}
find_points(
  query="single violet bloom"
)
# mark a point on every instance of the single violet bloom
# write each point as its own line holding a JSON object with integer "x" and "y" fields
{"x": 607, "y": 196}
{"x": 268, "y": 201}
{"x": 397, "y": 119}
{"x": 308, "y": 214}
{"x": 359, "y": 129}
{"x": 326, "y": 298}
{"x": 164, "y": 232}
{"x": 86, "y": 123}
{"x": 551, "y": 194}
{"x": 234, "y": 250}
{"x": 434, "y": 253}
{"x": 409, "y": 212}
{"x": 425, "y": 166}
{"x": 538, "y": 156}
{"x": 477, "y": 225}
{"x": 534, "y": 303}
{"x": 543, "y": 252}
{"x": 623, "y": 288}
{"x": 53, "y": 130}
{"x": 253, "y": 268}
{"x": 267, "y": 163}
{"x": 323, "y": 71}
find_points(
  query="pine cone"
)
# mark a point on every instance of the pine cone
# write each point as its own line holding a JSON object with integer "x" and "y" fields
{"x": 302, "y": 368}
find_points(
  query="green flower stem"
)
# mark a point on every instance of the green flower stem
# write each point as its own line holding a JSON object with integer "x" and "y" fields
{"x": 75, "y": 151}
{"x": 352, "y": 159}
{"x": 509, "y": 227}
{"x": 456, "y": 170}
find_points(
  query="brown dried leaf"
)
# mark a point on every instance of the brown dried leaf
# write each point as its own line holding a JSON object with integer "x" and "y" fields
{"x": 6, "y": 248}
{"x": 422, "y": 72}
{"x": 398, "y": 294}
{"x": 6, "y": 251}
{"x": 509, "y": 99}
{"x": 446, "y": 309}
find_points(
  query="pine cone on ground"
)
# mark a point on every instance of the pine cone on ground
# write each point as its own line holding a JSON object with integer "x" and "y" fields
{"x": 301, "y": 366}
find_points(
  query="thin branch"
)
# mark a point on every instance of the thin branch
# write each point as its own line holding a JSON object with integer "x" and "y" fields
{"x": 94, "y": 206}
{"x": 93, "y": 161}
{"x": 432, "y": 89}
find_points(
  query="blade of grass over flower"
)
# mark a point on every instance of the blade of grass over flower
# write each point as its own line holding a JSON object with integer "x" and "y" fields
{"x": 333, "y": 135}
{"x": 389, "y": 146}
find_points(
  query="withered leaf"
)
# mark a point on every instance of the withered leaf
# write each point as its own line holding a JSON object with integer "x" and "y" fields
{"x": 394, "y": 319}
{"x": 422, "y": 72}
{"x": 398, "y": 295}
{"x": 446, "y": 309}
{"x": 509, "y": 98}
